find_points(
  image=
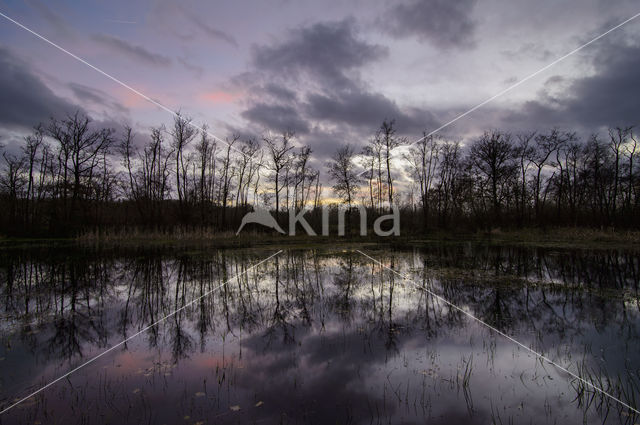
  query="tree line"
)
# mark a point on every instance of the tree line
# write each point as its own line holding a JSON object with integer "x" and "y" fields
{"x": 71, "y": 177}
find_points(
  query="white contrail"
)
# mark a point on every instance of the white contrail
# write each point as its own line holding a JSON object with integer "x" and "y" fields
{"x": 482, "y": 322}
{"x": 136, "y": 334}
{"x": 527, "y": 78}
{"x": 120, "y": 21}
{"x": 128, "y": 87}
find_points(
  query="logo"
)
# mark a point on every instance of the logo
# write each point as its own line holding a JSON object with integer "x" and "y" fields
{"x": 264, "y": 218}
{"x": 260, "y": 216}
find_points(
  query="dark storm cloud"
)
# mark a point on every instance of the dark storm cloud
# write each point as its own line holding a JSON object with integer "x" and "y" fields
{"x": 98, "y": 97}
{"x": 276, "y": 117}
{"x": 87, "y": 93}
{"x": 324, "y": 52}
{"x": 137, "y": 53}
{"x": 26, "y": 100}
{"x": 444, "y": 23}
{"x": 365, "y": 109}
{"x": 310, "y": 81}
{"x": 609, "y": 97}
{"x": 323, "y": 143}
{"x": 210, "y": 31}
{"x": 185, "y": 24}
{"x": 280, "y": 92}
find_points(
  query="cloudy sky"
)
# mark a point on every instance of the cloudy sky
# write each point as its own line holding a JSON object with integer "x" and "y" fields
{"x": 330, "y": 70}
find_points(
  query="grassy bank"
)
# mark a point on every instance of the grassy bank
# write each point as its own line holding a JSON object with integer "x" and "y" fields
{"x": 559, "y": 237}
{"x": 551, "y": 237}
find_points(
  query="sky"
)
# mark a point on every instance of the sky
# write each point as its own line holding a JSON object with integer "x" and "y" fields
{"x": 332, "y": 71}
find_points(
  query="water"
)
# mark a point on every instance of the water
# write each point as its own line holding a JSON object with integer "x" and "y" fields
{"x": 319, "y": 336}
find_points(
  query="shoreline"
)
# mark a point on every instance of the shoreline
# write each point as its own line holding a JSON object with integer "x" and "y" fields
{"x": 530, "y": 237}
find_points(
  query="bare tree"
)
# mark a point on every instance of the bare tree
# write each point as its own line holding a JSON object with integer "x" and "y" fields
{"x": 226, "y": 176}
{"x": 545, "y": 145}
{"x": 33, "y": 144}
{"x": 492, "y": 156}
{"x": 449, "y": 174}
{"x": 341, "y": 171}
{"x": 60, "y": 178}
{"x": 205, "y": 157}
{"x": 423, "y": 158}
{"x": 155, "y": 160}
{"x": 630, "y": 153}
{"x": 375, "y": 151}
{"x": 390, "y": 142}
{"x": 244, "y": 172}
{"x": 369, "y": 165}
{"x": 599, "y": 176}
{"x": 80, "y": 150}
{"x": 618, "y": 139}
{"x": 301, "y": 176}
{"x": 13, "y": 182}
{"x": 128, "y": 152}
{"x": 524, "y": 151}
{"x": 183, "y": 133}
{"x": 279, "y": 150}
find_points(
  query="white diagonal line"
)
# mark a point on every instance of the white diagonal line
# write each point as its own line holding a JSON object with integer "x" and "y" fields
{"x": 137, "y": 333}
{"x": 525, "y": 79}
{"x": 482, "y": 322}
{"x": 123, "y": 84}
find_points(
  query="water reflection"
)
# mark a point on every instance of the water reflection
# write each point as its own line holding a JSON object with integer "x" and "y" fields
{"x": 319, "y": 336}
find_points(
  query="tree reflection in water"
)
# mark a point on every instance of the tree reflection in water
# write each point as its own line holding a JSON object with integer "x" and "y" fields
{"x": 319, "y": 336}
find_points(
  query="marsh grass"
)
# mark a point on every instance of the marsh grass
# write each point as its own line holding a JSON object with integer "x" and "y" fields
{"x": 622, "y": 387}
{"x": 551, "y": 237}
{"x": 559, "y": 237}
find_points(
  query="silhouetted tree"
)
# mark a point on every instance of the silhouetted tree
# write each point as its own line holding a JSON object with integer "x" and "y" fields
{"x": 280, "y": 155}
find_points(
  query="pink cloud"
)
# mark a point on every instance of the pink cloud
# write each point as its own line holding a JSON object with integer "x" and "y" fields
{"x": 219, "y": 96}
{"x": 131, "y": 99}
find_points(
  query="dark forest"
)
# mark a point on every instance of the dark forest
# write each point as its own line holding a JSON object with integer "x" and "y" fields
{"x": 71, "y": 177}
